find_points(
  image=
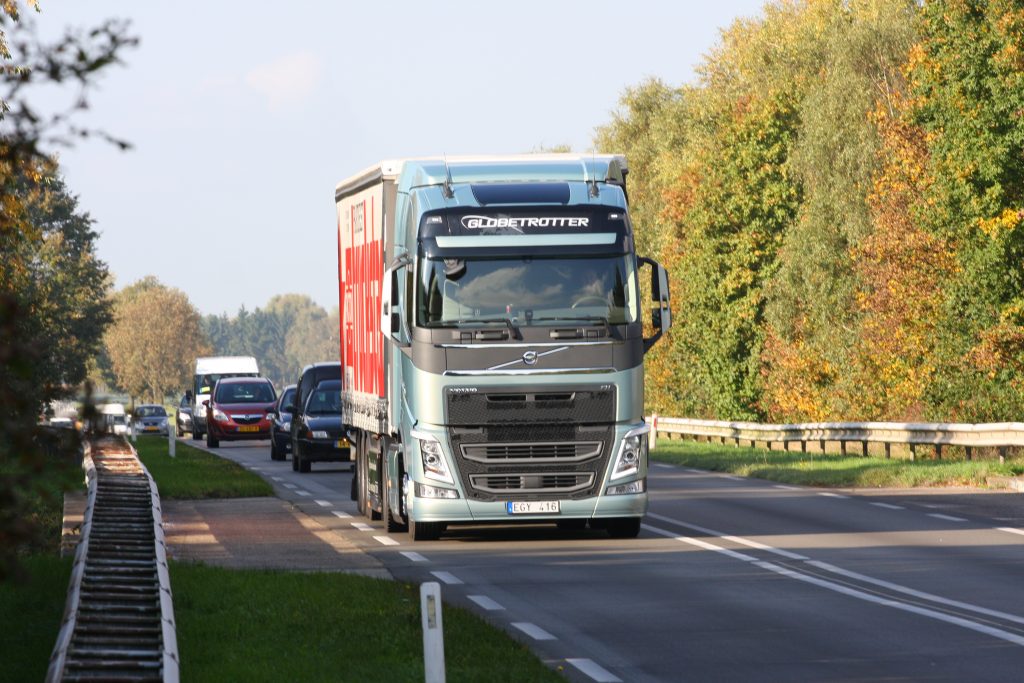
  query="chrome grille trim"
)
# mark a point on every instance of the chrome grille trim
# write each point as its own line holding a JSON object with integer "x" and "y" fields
{"x": 531, "y": 452}
{"x": 553, "y": 482}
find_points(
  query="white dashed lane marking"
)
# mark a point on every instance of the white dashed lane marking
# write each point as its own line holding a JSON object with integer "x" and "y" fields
{"x": 829, "y": 494}
{"x": 594, "y": 670}
{"x": 323, "y": 503}
{"x": 304, "y": 493}
{"x": 532, "y": 630}
{"x": 948, "y": 518}
{"x": 362, "y": 526}
{"x": 485, "y": 602}
{"x": 385, "y": 540}
{"x": 341, "y": 515}
{"x": 414, "y": 557}
{"x": 448, "y": 578}
{"x": 888, "y": 506}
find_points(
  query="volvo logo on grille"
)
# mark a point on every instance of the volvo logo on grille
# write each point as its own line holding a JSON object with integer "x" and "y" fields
{"x": 530, "y": 357}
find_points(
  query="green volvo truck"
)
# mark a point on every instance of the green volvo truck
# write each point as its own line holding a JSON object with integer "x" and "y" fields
{"x": 492, "y": 342}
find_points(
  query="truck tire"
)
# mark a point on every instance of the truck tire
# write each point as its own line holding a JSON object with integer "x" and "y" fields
{"x": 426, "y": 531}
{"x": 391, "y": 522}
{"x": 624, "y": 527}
{"x": 353, "y": 492}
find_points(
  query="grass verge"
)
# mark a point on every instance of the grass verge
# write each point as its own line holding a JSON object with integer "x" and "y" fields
{"x": 30, "y": 616}
{"x": 813, "y": 469}
{"x": 193, "y": 473}
{"x": 258, "y": 625}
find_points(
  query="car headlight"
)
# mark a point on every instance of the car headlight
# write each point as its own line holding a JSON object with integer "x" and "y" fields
{"x": 220, "y": 416}
{"x": 631, "y": 451}
{"x": 434, "y": 465}
{"x": 321, "y": 435}
{"x": 268, "y": 416}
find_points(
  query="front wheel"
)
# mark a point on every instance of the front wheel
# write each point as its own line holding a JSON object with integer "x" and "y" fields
{"x": 391, "y": 522}
{"x": 624, "y": 527}
{"x": 196, "y": 434}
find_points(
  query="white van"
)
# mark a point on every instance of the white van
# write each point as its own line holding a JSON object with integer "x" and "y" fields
{"x": 208, "y": 371}
{"x": 114, "y": 417}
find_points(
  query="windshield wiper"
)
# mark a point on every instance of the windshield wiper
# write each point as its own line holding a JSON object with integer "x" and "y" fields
{"x": 512, "y": 331}
{"x": 573, "y": 318}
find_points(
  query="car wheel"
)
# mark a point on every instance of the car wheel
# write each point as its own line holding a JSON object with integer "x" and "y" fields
{"x": 275, "y": 454}
{"x": 304, "y": 466}
{"x": 211, "y": 440}
{"x": 426, "y": 531}
{"x": 178, "y": 431}
{"x": 295, "y": 461}
{"x": 624, "y": 527}
{"x": 196, "y": 434}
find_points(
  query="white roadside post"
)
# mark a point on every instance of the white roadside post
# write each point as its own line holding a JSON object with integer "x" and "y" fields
{"x": 170, "y": 439}
{"x": 433, "y": 632}
{"x": 132, "y": 431}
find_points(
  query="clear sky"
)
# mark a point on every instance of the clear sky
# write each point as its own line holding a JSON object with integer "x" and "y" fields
{"x": 244, "y": 115}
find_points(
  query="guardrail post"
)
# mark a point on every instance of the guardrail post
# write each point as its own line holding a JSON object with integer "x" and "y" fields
{"x": 888, "y": 450}
{"x": 967, "y": 452}
{"x": 864, "y": 449}
{"x": 433, "y": 632}
{"x": 842, "y": 448}
{"x": 913, "y": 452}
{"x": 1002, "y": 455}
{"x": 938, "y": 451}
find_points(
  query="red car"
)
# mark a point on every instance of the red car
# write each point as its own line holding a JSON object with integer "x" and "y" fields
{"x": 239, "y": 408}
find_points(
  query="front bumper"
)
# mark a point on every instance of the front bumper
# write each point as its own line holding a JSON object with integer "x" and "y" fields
{"x": 325, "y": 450}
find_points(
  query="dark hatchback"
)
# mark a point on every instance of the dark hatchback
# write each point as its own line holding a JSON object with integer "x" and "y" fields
{"x": 281, "y": 425}
{"x": 319, "y": 434}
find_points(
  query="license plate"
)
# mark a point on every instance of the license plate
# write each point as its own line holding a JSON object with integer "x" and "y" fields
{"x": 249, "y": 428}
{"x": 533, "y": 507}
{"x": 343, "y": 443}
{"x": 151, "y": 429}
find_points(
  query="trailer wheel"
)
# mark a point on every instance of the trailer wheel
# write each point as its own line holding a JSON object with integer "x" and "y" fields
{"x": 624, "y": 527}
{"x": 374, "y": 515}
{"x": 426, "y": 531}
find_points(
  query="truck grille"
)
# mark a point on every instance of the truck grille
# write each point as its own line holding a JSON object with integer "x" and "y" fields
{"x": 567, "y": 482}
{"x": 532, "y": 443}
{"x": 564, "y": 451}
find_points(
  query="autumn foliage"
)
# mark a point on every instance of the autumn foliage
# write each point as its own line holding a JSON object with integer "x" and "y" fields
{"x": 840, "y": 201}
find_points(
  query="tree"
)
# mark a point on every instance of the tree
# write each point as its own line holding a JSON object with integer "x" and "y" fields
{"x": 154, "y": 340}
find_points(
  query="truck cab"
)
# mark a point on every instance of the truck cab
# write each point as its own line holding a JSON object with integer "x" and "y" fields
{"x": 511, "y": 374}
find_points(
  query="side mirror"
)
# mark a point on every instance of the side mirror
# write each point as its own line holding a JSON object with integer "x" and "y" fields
{"x": 661, "y": 315}
{"x": 390, "y": 314}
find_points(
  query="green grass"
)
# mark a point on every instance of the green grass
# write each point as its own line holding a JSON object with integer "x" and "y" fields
{"x": 193, "y": 473}
{"x": 816, "y": 469}
{"x": 258, "y": 625}
{"x": 30, "y": 616}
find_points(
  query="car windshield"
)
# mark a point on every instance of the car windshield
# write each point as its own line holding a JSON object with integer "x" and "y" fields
{"x": 150, "y": 411}
{"x": 248, "y": 392}
{"x": 526, "y": 290}
{"x": 324, "y": 400}
{"x": 288, "y": 398}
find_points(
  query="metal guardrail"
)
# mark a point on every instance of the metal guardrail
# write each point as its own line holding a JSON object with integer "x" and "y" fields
{"x": 119, "y": 617}
{"x": 1000, "y": 436}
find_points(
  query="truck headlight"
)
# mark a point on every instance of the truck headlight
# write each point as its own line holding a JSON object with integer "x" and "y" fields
{"x": 434, "y": 465}
{"x": 631, "y": 451}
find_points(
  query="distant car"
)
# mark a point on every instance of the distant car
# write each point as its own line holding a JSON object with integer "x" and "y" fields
{"x": 183, "y": 415}
{"x": 64, "y": 422}
{"x": 239, "y": 408}
{"x": 150, "y": 418}
{"x": 114, "y": 418}
{"x": 320, "y": 435}
{"x": 281, "y": 425}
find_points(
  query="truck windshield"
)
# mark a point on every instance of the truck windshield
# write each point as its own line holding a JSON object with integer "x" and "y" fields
{"x": 527, "y": 290}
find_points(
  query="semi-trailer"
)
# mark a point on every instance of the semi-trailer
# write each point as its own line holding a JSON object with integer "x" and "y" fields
{"x": 492, "y": 342}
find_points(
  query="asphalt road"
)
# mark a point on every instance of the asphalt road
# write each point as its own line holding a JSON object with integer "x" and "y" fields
{"x": 732, "y": 579}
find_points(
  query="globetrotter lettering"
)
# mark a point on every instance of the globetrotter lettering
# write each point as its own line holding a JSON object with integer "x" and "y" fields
{"x": 364, "y": 268}
{"x": 483, "y": 222}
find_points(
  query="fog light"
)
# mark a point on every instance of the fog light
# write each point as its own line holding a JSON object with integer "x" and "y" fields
{"x": 638, "y": 486}
{"x": 427, "y": 491}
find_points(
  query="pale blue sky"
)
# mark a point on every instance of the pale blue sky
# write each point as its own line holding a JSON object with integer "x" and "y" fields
{"x": 244, "y": 115}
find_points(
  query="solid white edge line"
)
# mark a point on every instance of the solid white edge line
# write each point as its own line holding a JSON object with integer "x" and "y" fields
{"x": 594, "y": 670}
{"x": 787, "y": 488}
{"x": 731, "y": 477}
{"x": 448, "y": 578}
{"x": 735, "y": 539}
{"x": 664, "y": 466}
{"x": 829, "y": 494}
{"x": 1010, "y": 530}
{"x": 888, "y": 506}
{"x": 413, "y": 556}
{"x": 485, "y": 602}
{"x": 915, "y": 593}
{"x": 948, "y": 518}
{"x": 341, "y": 515}
{"x": 886, "y": 602}
{"x": 700, "y": 544}
{"x": 385, "y": 540}
{"x": 323, "y": 503}
{"x": 532, "y": 630}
